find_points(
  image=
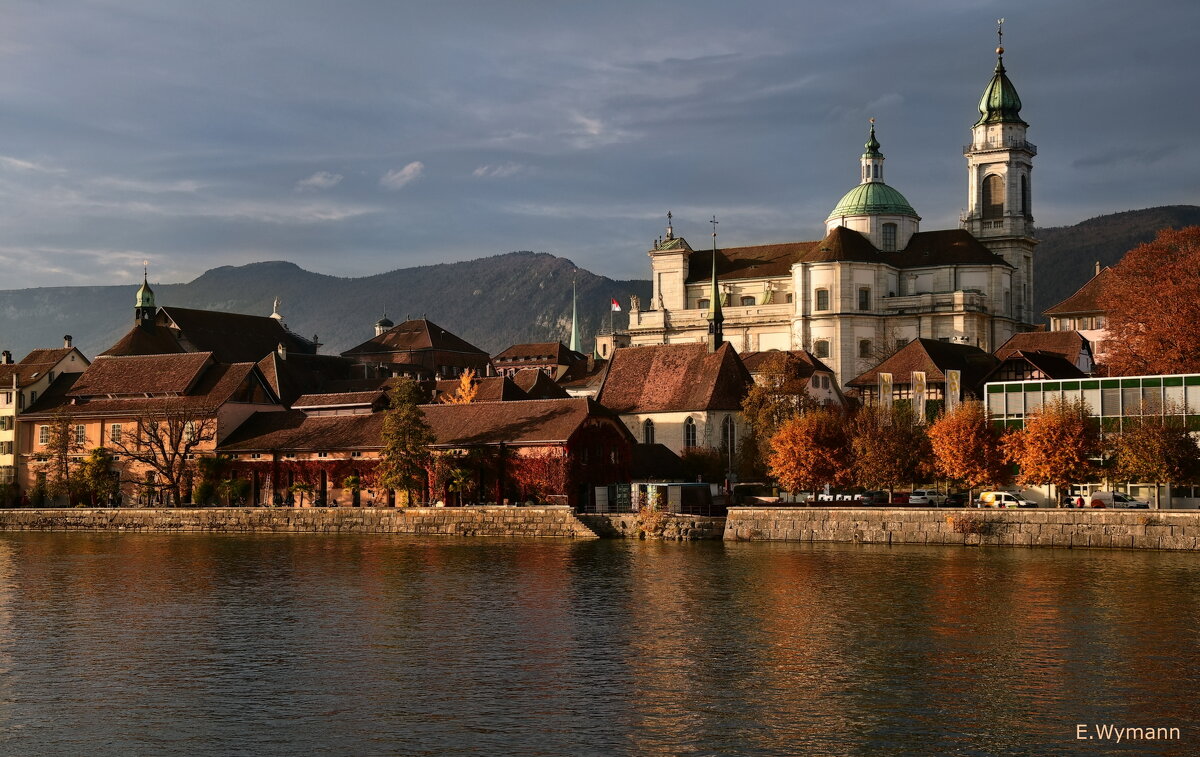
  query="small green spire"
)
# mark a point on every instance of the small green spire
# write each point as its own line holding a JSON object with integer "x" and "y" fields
{"x": 145, "y": 295}
{"x": 1000, "y": 103}
{"x": 872, "y": 145}
{"x": 574, "y": 320}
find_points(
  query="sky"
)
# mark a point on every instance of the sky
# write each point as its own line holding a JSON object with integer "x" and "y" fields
{"x": 354, "y": 138}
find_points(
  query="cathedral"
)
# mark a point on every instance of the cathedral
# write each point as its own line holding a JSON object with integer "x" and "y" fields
{"x": 876, "y": 281}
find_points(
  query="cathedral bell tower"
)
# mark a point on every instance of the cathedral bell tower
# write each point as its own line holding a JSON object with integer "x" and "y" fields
{"x": 143, "y": 305}
{"x": 999, "y": 210}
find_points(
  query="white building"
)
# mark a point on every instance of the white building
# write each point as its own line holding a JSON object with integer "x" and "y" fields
{"x": 876, "y": 281}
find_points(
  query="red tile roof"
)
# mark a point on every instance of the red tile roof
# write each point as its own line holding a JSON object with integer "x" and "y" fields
{"x": 804, "y": 362}
{"x": 538, "y": 386}
{"x": 491, "y": 389}
{"x": 759, "y": 261}
{"x": 934, "y": 358}
{"x": 33, "y": 366}
{"x": 340, "y": 399}
{"x": 1089, "y": 298}
{"x": 556, "y": 353}
{"x": 1068, "y": 344}
{"x": 234, "y": 337}
{"x": 146, "y": 340}
{"x": 137, "y": 376}
{"x": 674, "y": 378}
{"x": 415, "y": 335}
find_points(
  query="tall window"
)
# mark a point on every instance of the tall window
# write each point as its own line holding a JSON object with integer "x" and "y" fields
{"x": 822, "y": 299}
{"x": 821, "y": 348}
{"x": 993, "y": 196}
{"x": 80, "y": 435}
{"x": 648, "y": 431}
{"x": 864, "y": 348}
{"x": 1025, "y": 197}
{"x": 729, "y": 439}
{"x": 889, "y": 237}
{"x": 114, "y": 433}
{"x": 864, "y": 298}
{"x": 43, "y": 435}
{"x": 689, "y": 432}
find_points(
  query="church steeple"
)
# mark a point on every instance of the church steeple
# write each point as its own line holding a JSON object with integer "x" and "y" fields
{"x": 872, "y": 159}
{"x": 574, "y": 320}
{"x": 716, "y": 319}
{"x": 143, "y": 304}
{"x": 1000, "y": 103}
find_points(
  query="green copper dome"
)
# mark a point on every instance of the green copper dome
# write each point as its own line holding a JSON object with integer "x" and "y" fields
{"x": 1000, "y": 103}
{"x": 872, "y": 198}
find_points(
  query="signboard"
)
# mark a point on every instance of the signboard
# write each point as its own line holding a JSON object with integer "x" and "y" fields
{"x": 918, "y": 395}
{"x": 885, "y": 390}
{"x": 953, "y": 389}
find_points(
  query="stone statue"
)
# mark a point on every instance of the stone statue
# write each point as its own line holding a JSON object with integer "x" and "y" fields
{"x": 635, "y": 303}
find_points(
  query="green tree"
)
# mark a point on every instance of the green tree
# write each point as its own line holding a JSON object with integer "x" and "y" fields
{"x": 1155, "y": 448}
{"x": 890, "y": 447}
{"x": 406, "y": 440}
{"x": 62, "y": 448}
{"x": 95, "y": 477}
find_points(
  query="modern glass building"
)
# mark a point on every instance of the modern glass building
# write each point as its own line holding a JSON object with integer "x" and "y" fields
{"x": 1111, "y": 401}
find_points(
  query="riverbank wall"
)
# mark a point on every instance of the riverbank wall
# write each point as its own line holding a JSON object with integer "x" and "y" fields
{"x": 549, "y": 521}
{"x": 664, "y": 526}
{"x": 1122, "y": 529}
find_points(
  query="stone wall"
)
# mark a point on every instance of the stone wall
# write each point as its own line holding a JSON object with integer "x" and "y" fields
{"x": 443, "y": 521}
{"x": 1129, "y": 529}
{"x": 668, "y": 526}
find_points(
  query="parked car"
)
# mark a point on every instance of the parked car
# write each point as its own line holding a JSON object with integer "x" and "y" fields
{"x": 873, "y": 498}
{"x": 1116, "y": 499}
{"x": 956, "y": 500}
{"x": 1004, "y": 499}
{"x": 927, "y": 497}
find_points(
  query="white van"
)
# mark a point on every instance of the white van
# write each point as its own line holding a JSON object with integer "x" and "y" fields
{"x": 927, "y": 497}
{"x": 1004, "y": 499}
{"x": 1116, "y": 499}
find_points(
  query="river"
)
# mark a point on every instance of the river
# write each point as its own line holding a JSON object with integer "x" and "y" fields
{"x": 337, "y": 645}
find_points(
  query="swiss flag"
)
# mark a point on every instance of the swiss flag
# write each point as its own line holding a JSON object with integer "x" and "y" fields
{"x": 616, "y": 306}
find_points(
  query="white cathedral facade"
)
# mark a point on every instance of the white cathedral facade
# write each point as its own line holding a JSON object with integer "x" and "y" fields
{"x": 876, "y": 281}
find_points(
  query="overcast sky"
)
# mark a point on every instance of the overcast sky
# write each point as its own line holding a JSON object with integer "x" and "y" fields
{"x": 358, "y": 137}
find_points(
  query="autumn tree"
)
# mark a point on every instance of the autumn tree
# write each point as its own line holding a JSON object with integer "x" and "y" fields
{"x": 966, "y": 447}
{"x": 62, "y": 447}
{"x": 165, "y": 442}
{"x": 96, "y": 479}
{"x": 1152, "y": 299}
{"x": 465, "y": 393}
{"x": 1056, "y": 446}
{"x": 890, "y": 447}
{"x": 811, "y": 450}
{"x": 406, "y": 440}
{"x": 1155, "y": 448}
{"x": 778, "y": 395}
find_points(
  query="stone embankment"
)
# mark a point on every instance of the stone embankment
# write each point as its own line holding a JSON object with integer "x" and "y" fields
{"x": 1126, "y": 529}
{"x": 442, "y": 521}
{"x": 665, "y": 526}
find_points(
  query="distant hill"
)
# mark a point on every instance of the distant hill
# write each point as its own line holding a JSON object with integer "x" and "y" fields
{"x": 491, "y": 302}
{"x": 1066, "y": 257}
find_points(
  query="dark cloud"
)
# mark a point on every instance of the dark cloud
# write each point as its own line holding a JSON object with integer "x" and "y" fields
{"x": 357, "y": 137}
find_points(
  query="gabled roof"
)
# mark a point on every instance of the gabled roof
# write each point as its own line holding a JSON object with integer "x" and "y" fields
{"x": 33, "y": 366}
{"x": 1050, "y": 364}
{"x": 537, "y": 385}
{"x": 804, "y": 361}
{"x": 584, "y": 376}
{"x": 341, "y": 399}
{"x": 1066, "y": 344}
{"x": 490, "y": 389}
{"x": 1088, "y": 299}
{"x": 759, "y": 261}
{"x": 141, "y": 375}
{"x": 539, "y": 352}
{"x": 292, "y": 376}
{"x": 934, "y": 358}
{"x": 150, "y": 339}
{"x": 234, "y": 337}
{"x": 674, "y": 378}
{"x": 944, "y": 247}
{"x": 478, "y": 423}
{"x": 415, "y": 335}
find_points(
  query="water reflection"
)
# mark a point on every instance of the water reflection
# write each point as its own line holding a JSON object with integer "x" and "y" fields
{"x": 204, "y": 644}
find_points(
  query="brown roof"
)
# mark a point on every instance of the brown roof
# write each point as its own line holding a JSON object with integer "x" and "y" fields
{"x": 804, "y": 361}
{"x": 341, "y": 399}
{"x": 539, "y": 352}
{"x": 491, "y": 389}
{"x": 943, "y": 247}
{"x": 934, "y": 358}
{"x": 674, "y": 377}
{"x": 759, "y": 261}
{"x": 842, "y": 244}
{"x": 656, "y": 462}
{"x": 1089, "y": 298}
{"x": 1067, "y": 344}
{"x": 414, "y": 335}
{"x": 584, "y": 374}
{"x": 296, "y": 374}
{"x": 537, "y": 385}
{"x": 139, "y": 375}
{"x": 478, "y": 423}
{"x": 150, "y": 339}
{"x": 234, "y": 337}
{"x": 216, "y": 386}
{"x": 33, "y": 366}
{"x": 1051, "y": 365}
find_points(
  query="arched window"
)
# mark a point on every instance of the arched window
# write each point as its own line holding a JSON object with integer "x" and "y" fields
{"x": 993, "y": 196}
{"x": 746, "y": 301}
{"x": 821, "y": 348}
{"x": 648, "y": 431}
{"x": 689, "y": 432}
{"x": 864, "y": 348}
{"x": 1025, "y": 211}
{"x": 889, "y": 237}
{"x": 729, "y": 439}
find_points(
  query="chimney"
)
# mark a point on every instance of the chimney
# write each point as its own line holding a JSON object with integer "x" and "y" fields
{"x": 282, "y": 351}
{"x": 67, "y": 342}
{"x": 1097, "y": 268}
{"x": 5, "y": 358}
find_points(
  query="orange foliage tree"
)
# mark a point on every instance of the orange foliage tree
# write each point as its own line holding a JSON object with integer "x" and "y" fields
{"x": 812, "y": 450}
{"x": 890, "y": 447}
{"x": 1153, "y": 301}
{"x": 1056, "y": 446}
{"x": 466, "y": 391}
{"x": 1157, "y": 449}
{"x": 966, "y": 447}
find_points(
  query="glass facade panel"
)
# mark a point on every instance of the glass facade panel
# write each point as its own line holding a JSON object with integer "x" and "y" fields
{"x": 1174, "y": 398}
{"x": 1033, "y": 401}
{"x": 1193, "y": 397}
{"x": 1016, "y": 404}
{"x": 1131, "y": 401}
{"x": 1110, "y": 401}
{"x": 996, "y": 405}
{"x": 1152, "y": 403}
